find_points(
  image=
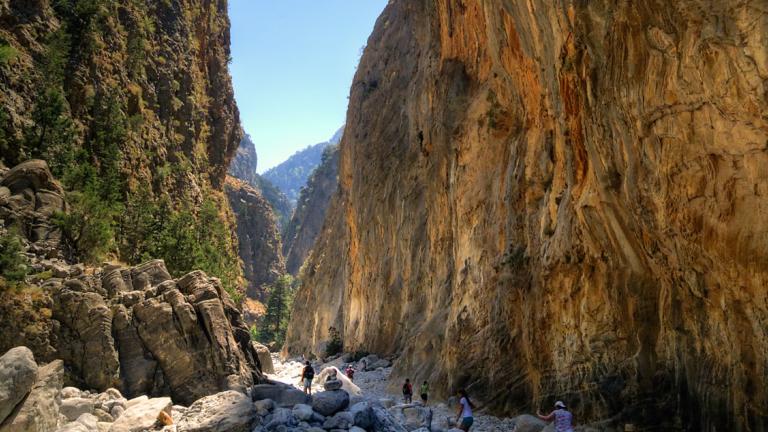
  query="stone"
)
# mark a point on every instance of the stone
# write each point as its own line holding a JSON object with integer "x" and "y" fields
{"x": 228, "y": 411}
{"x": 116, "y": 411}
{"x": 103, "y": 415}
{"x": 362, "y": 414}
{"x": 73, "y": 408}
{"x": 356, "y": 429}
{"x": 330, "y": 402}
{"x": 417, "y": 417}
{"x": 383, "y": 421}
{"x": 40, "y": 410}
{"x": 332, "y": 384}
{"x": 89, "y": 421}
{"x": 340, "y": 420}
{"x": 18, "y": 373}
{"x": 387, "y": 402}
{"x": 74, "y": 427}
{"x": 265, "y": 357}
{"x": 281, "y": 418}
{"x": 264, "y": 406}
{"x": 283, "y": 396}
{"x": 529, "y": 423}
{"x": 136, "y": 401}
{"x": 141, "y": 415}
{"x": 303, "y": 412}
{"x": 70, "y": 392}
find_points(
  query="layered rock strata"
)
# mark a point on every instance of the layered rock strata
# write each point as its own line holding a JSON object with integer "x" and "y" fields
{"x": 557, "y": 199}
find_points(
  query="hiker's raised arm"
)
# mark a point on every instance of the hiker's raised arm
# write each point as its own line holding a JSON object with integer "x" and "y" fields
{"x": 545, "y": 417}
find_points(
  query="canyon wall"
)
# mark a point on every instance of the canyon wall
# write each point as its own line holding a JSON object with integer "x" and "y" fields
{"x": 308, "y": 218}
{"x": 557, "y": 200}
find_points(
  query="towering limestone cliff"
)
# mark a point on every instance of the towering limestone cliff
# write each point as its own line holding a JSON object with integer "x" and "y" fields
{"x": 131, "y": 103}
{"x": 558, "y": 199}
{"x": 257, "y": 232}
{"x": 308, "y": 218}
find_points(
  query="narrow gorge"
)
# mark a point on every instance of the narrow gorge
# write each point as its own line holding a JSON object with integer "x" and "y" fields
{"x": 532, "y": 201}
{"x": 557, "y": 199}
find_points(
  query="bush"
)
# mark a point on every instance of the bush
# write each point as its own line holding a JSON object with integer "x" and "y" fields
{"x": 13, "y": 263}
{"x": 334, "y": 345}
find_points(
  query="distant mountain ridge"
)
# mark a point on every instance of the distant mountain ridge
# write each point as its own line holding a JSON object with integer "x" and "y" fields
{"x": 291, "y": 175}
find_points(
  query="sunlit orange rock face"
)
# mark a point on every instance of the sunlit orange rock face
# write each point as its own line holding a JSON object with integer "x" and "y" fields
{"x": 547, "y": 200}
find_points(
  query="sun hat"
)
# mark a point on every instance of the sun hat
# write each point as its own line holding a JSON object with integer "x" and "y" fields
{"x": 559, "y": 404}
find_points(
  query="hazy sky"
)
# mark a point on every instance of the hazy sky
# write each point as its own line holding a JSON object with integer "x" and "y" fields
{"x": 292, "y": 66}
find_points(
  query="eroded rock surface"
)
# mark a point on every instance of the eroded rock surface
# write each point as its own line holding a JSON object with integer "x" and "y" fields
{"x": 571, "y": 190}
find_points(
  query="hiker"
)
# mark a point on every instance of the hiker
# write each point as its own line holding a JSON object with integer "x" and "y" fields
{"x": 424, "y": 391}
{"x": 408, "y": 391}
{"x": 562, "y": 417}
{"x": 464, "y": 413}
{"x": 350, "y": 372}
{"x": 307, "y": 375}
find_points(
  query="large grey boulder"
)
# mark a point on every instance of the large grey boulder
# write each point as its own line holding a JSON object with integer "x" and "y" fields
{"x": 303, "y": 412}
{"x": 329, "y": 403}
{"x": 265, "y": 358}
{"x": 279, "y": 419}
{"x": 340, "y": 420}
{"x": 282, "y": 395}
{"x": 412, "y": 416}
{"x": 383, "y": 421}
{"x": 362, "y": 415}
{"x": 141, "y": 416}
{"x": 40, "y": 410}
{"x": 228, "y": 411}
{"x": 18, "y": 373}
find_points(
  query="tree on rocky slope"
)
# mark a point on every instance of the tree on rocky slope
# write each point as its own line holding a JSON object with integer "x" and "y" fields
{"x": 271, "y": 330}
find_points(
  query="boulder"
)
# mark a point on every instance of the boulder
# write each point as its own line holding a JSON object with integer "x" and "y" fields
{"x": 383, "y": 421}
{"x": 40, "y": 410}
{"x": 142, "y": 415}
{"x": 381, "y": 363}
{"x": 332, "y": 384}
{"x": 73, "y": 408}
{"x": 73, "y": 427}
{"x": 265, "y": 357}
{"x": 280, "y": 418}
{"x": 387, "y": 402}
{"x": 228, "y": 411}
{"x": 330, "y": 402}
{"x": 90, "y": 421}
{"x": 356, "y": 429}
{"x": 18, "y": 373}
{"x": 303, "y": 412}
{"x": 70, "y": 392}
{"x": 362, "y": 414}
{"x": 341, "y": 420}
{"x": 282, "y": 395}
{"x": 529, "y": 423}
{"x": 264, "y": 407}
{"x": 415, "y": 417}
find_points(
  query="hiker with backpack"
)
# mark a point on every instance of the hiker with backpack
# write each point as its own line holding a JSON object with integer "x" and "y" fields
{"x": 350, "y": 371}
{"x": 307, "y": 375}
{"x": 464, "y": 413}
{"x": 424, "y": 392}
{"x": 408, "y": 391}
{"x": 562, "y": 417}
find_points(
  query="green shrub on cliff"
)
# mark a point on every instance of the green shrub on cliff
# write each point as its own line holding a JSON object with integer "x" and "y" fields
{"x": 13, "y": 263}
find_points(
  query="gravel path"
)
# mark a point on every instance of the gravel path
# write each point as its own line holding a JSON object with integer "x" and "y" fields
{"x": 374, "y": 387}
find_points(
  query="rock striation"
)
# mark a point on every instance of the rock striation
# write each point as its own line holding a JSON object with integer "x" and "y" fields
{"x": 308, "y": 218}
{"x": 563, "y": 197}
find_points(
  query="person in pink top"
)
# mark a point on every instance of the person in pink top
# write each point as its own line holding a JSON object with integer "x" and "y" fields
{"x": 562, "y": 417}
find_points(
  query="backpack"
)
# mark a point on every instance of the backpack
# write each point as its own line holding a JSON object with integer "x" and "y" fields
{"x": 407, "y": 389}
{"x": 309, "y": 373}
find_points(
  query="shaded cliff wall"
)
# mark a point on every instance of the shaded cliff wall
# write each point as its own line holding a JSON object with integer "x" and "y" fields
{"x": 258, "y": 237}
{"x": 557, "y": 199}
{"x": 308, "y": 218}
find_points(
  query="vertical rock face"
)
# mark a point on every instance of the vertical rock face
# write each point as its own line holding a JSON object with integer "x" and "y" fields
{"x": 308, "y": 218}
{"x": 558, "y": 199}
{"x": 258, "y": 237}
{"x": 245, "y": 162}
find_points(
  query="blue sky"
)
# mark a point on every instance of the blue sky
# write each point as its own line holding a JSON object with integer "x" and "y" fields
{"x": 292, "y": 66}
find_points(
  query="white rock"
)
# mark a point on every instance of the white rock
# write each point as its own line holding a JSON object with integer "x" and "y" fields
{"x": 73, "y": 408}
{"x": 264, "y": 406}
{"x": 40, "y": 410}
{"x": 303, "y": 412}
{"x": 70, "y": 392}
{"x": 89, "y": 420}
{"x": 136, "y": 400}
{"x": 222, "y": 412}
{"x": 141, "y": 415}
{"x": 18, "y": 373}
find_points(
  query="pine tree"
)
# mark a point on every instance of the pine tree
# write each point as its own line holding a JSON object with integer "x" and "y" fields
{"x": 274, "y": 324}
